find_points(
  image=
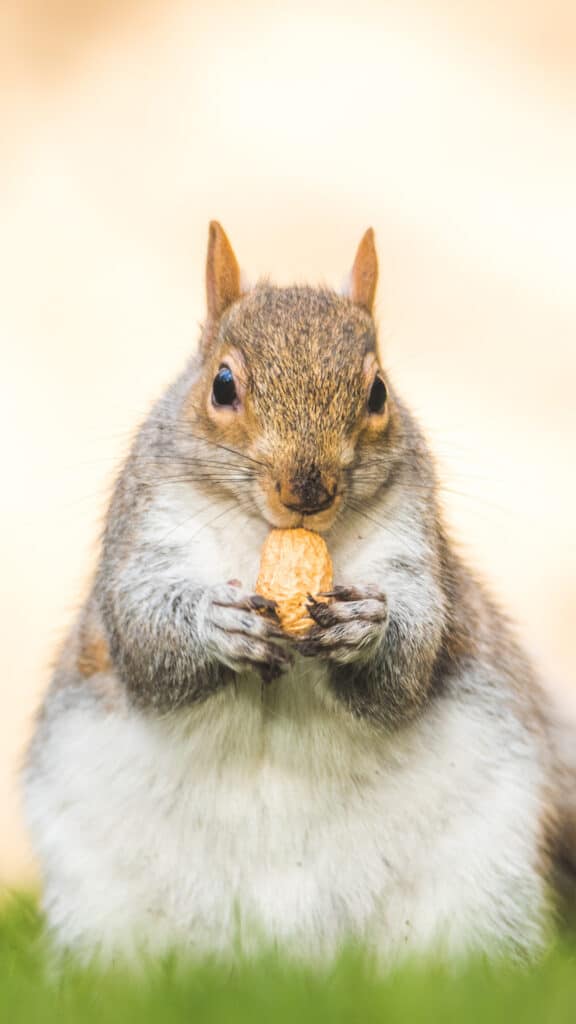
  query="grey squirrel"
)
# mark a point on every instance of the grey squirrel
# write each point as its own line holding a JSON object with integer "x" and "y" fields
{"x": 199, "y": 780}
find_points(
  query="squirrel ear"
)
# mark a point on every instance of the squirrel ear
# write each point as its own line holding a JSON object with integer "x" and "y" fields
{"x": 364, "y": 275}
{"x": 222, "y": 273}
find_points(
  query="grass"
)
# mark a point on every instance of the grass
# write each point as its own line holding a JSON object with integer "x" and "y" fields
{"x": 271, "y": 991}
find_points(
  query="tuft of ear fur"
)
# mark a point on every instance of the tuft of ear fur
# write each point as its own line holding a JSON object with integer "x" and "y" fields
{"x": 364, "y": 274}
{"x": 222, "y": 273}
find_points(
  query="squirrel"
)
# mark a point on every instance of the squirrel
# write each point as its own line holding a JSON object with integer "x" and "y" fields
{"x": 197, "y": 779}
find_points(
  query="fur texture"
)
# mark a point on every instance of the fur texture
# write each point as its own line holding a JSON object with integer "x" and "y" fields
{"x": 196, "y": 779}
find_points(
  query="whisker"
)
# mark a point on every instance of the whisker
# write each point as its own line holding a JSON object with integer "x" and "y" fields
{"x": 179, "y": 430}
{"x": 427, "y": 490}
{"x": 239, "y": 506}
{"x": 360, "y": 511}
{"x": 175, "y": 427}
{"x": 196, "y": 478}
{"x": 183, "y": 522}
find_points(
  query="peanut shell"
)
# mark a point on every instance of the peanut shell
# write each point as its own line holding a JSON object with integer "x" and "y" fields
{"x": 294, "y": 563}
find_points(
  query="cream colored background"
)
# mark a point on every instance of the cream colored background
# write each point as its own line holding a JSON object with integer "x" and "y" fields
{"x": 127, "y": 125}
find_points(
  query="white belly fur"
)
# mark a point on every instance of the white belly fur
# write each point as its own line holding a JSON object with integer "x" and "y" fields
{"x": 281, "y": 819}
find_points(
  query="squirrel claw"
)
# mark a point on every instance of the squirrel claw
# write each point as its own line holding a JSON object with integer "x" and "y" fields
{"x": 341, "y": 593}
{"x": 320, "y": 612}
{"x": 264, "y": 605}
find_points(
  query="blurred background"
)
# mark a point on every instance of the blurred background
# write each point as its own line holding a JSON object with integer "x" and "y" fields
{"x": 127, "y": 124}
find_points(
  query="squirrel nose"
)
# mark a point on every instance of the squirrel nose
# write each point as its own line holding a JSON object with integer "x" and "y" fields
{"x": 308, "y": 492}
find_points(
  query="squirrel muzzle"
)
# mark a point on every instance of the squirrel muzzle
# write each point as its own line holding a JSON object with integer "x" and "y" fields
{"x": 308, "y": 490}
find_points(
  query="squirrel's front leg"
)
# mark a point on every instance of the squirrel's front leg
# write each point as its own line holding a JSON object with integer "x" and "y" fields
{"x": 174, "y": 645}
{"x": 380, "y": 645}
{"x": 241, "y": 630}
{"x": 350, "y": 627}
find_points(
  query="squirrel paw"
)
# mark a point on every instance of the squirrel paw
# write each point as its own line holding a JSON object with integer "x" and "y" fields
{"x": 241, "y": 630}
{"x": 350, "y": 627}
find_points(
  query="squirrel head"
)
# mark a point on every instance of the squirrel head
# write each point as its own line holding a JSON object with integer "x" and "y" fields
{"x": 291, "y": 391}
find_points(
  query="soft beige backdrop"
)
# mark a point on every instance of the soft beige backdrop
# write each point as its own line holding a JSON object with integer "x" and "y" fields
{"x": 126, "y": 125}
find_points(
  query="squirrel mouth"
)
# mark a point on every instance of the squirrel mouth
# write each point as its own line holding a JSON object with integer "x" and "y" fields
{"x": 319, "y": 519}
{"x": 314, "y": 510}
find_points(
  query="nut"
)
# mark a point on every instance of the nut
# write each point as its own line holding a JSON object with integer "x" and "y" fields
{"x": 294, "y": 563}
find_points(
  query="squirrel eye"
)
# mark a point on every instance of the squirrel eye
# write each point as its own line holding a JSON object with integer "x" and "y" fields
{"x": 224, "y": 388}
{"x": 378, "y": 395}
